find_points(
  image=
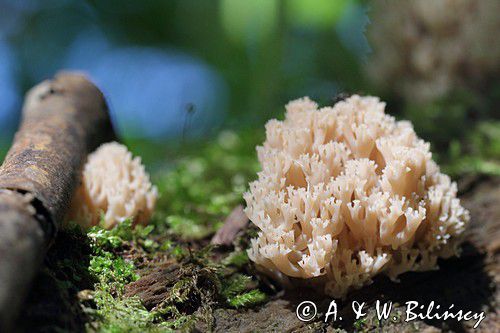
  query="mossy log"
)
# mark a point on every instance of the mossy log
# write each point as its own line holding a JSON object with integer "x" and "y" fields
{"x": 63, "y": 119}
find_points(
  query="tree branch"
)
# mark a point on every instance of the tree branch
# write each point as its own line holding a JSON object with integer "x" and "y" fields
{"x": 63, "y": 120}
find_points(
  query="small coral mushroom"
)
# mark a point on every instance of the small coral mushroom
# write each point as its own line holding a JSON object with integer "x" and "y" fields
{"x": 114, "y": 187}
{"x": 347, "y": 192}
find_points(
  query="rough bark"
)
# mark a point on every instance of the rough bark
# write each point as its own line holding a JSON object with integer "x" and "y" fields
{"x": 156, "y": 286}
{"x": 63, "y": 120}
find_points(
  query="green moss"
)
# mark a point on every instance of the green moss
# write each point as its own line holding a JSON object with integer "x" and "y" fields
{"x": 236, "y": 292}
{"x": 237, "y": 259}
{"x": 111, "y": 311}
{"x": 359, "y": 324}
{"x": 118, "y": 236}
{"x": 248, "y": 299}
{"x": 188, "y": 227}
{"x": 110, "y": 268}
{"x": 235, "y": 285}
{"x": 200, "y": 191}
{"x": 203, "y": 281}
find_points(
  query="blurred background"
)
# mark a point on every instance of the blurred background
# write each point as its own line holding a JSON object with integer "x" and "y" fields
{"x": 182, "y": 71}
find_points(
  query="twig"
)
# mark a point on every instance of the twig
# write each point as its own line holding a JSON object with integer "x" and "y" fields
{"x": 63, "y": 120}
{"x": 235, "y": 222}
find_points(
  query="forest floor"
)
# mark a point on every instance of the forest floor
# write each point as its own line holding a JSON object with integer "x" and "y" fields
{"x": 167, "y": 277}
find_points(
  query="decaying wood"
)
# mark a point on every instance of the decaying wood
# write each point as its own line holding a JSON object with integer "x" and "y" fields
{"x": 159, "y": 286}
{"x": 63, "y": 120}
{"x": 155, "y": 287}
{"x": 233, "y": 224}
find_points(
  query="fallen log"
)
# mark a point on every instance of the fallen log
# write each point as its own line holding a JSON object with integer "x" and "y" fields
{"x": 63, "y": 119}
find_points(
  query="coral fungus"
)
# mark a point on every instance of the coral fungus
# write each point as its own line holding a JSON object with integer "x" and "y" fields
{"x": 114, "y": 187}
{"x": 439, "y": 46}
{"x": 346, "y": 192}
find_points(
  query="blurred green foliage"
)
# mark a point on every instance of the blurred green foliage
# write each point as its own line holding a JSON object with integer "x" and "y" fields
{"x": 315, "y": 13}
{"x": 479, "y": 155}
{"x": 463, "y": 131}
{"x": 441, "y": 120}
{"x": 249, "y": 20}
{"x": 267, "y": 51}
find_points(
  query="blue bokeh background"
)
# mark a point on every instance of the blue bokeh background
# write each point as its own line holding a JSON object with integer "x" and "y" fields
{"x": 176, "y": 68}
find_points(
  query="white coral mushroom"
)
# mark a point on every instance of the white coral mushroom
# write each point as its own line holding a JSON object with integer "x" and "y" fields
{"x": 115, "y": 187}
{"x": 439, "y": 46}
{"x": 347, "y": 192}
